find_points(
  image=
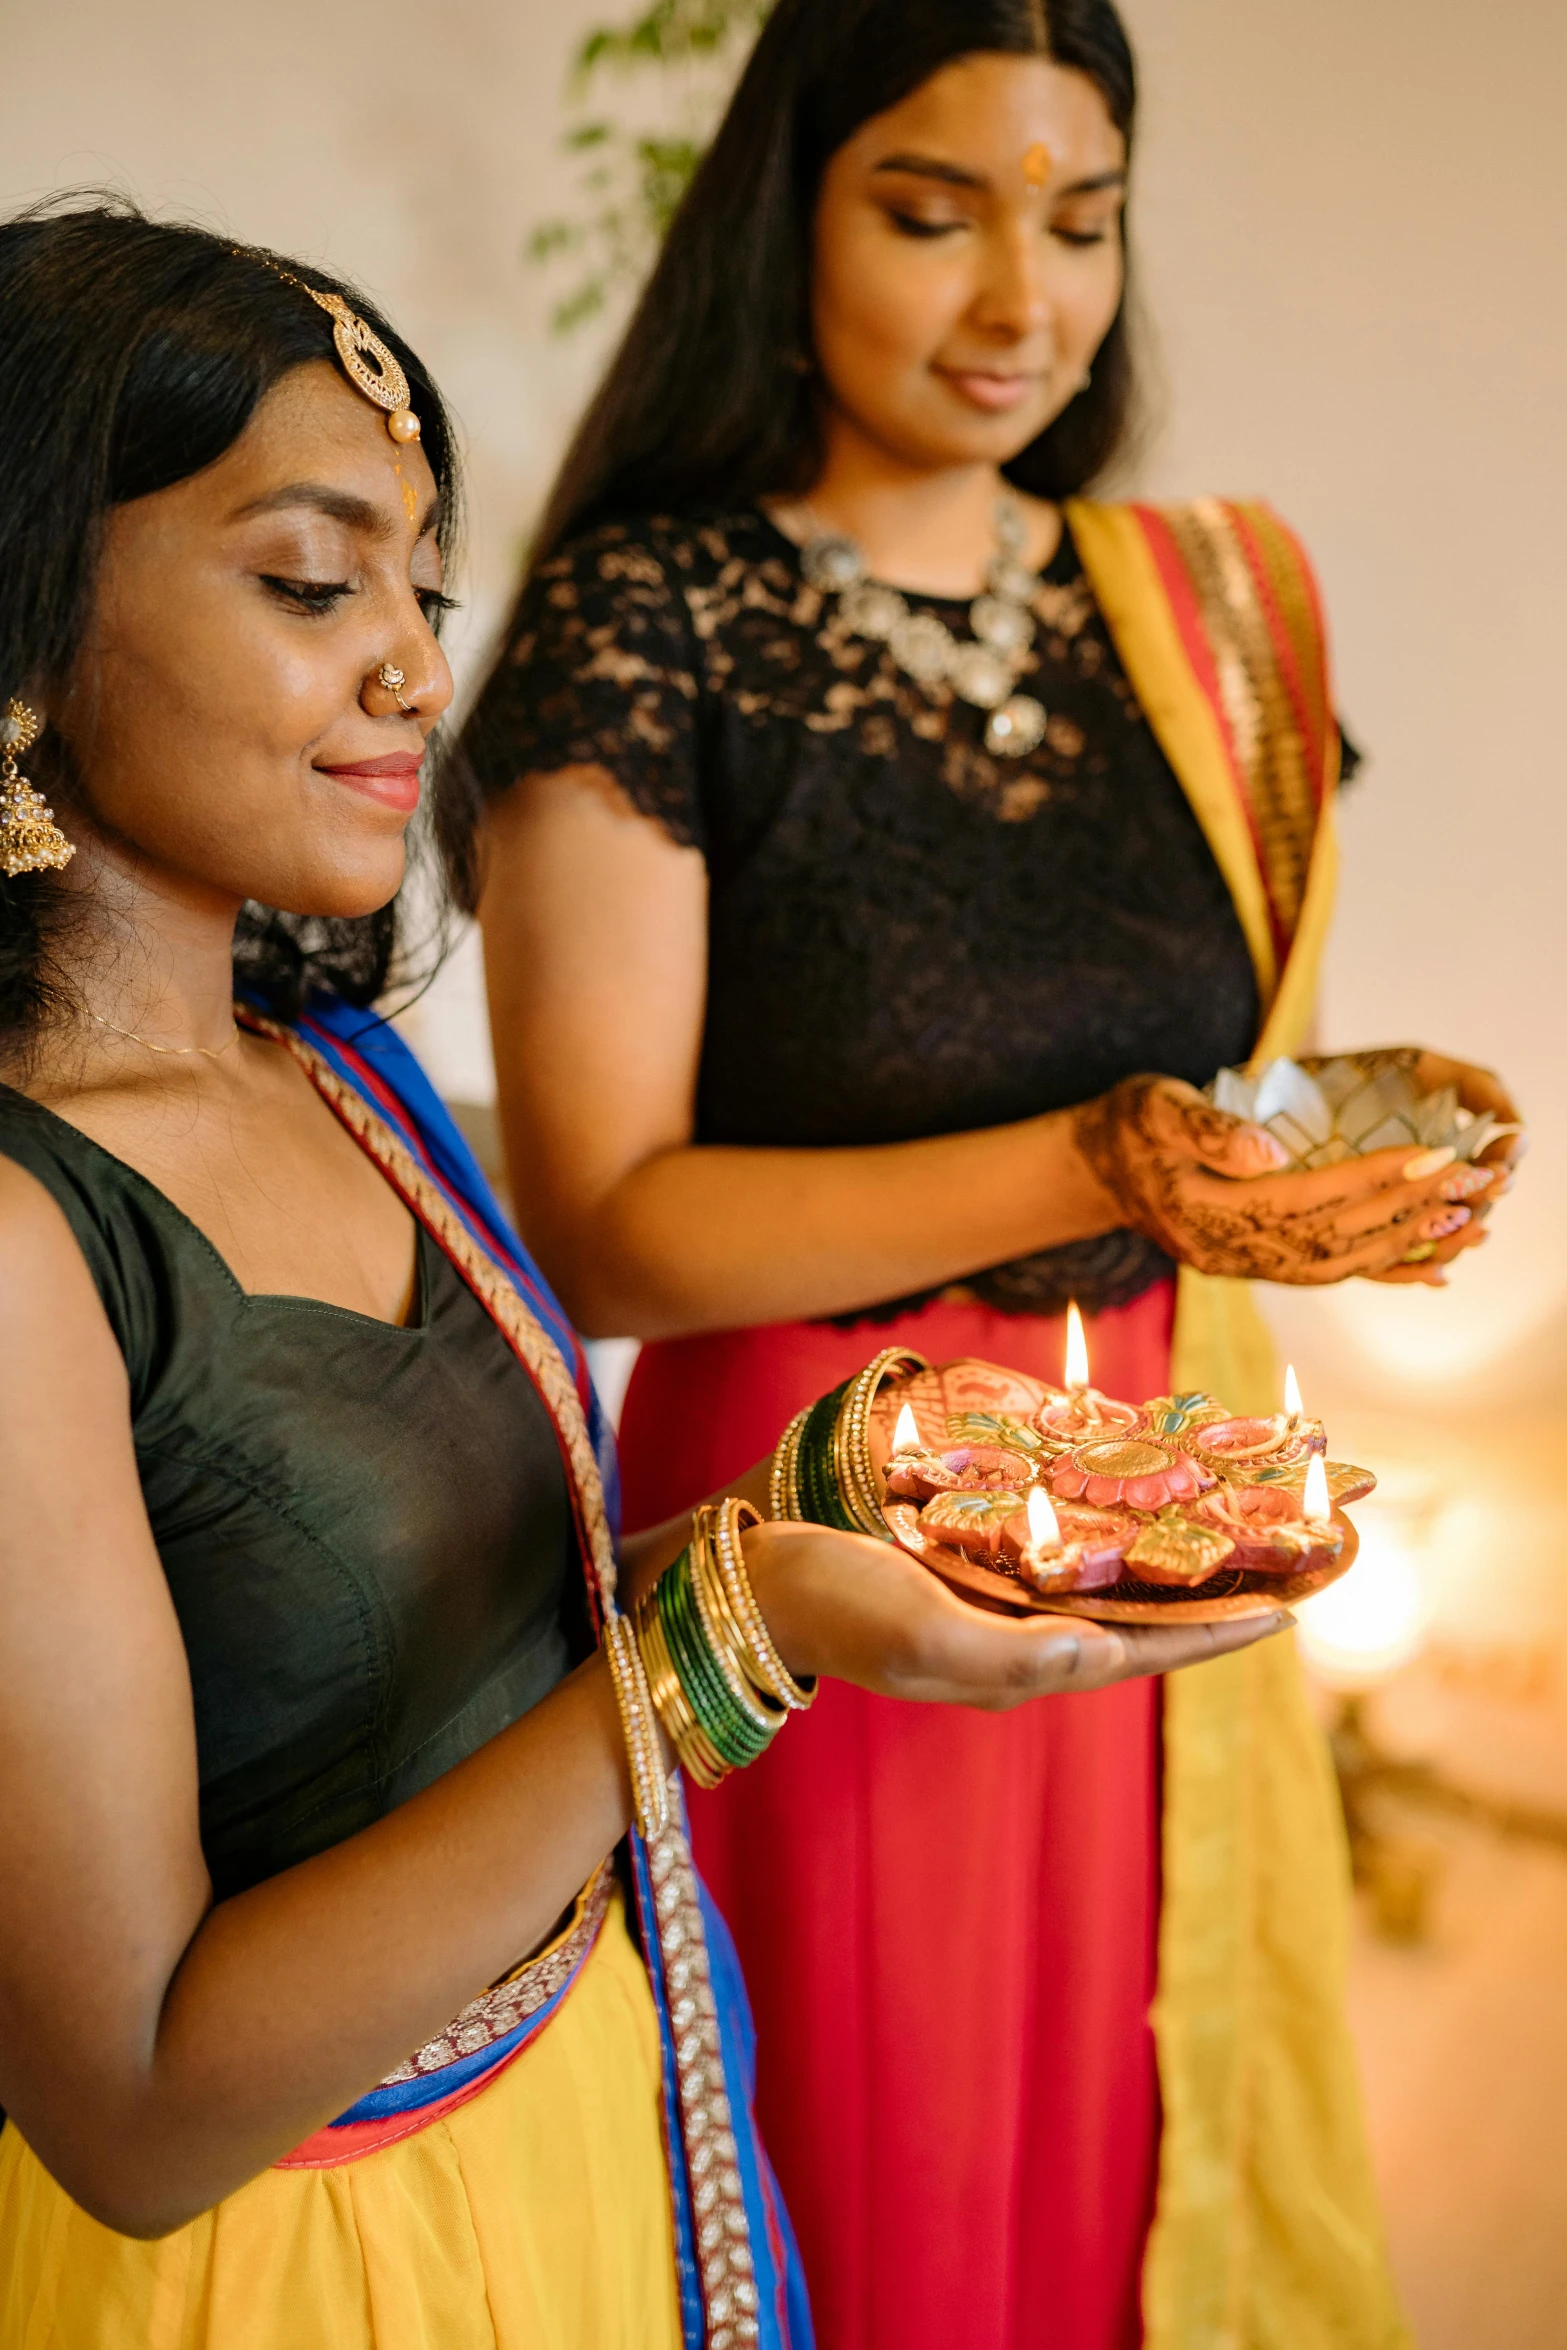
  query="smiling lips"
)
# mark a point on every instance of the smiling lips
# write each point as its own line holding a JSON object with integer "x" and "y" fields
{"x": 392, "y": 779}
{"x": 983, "y": 388}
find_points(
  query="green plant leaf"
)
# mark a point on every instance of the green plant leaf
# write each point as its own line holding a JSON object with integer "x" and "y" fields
{"x": 633, "y": 181}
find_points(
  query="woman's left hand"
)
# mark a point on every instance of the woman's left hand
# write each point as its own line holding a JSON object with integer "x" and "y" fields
{"x": 1478, "y": 1090}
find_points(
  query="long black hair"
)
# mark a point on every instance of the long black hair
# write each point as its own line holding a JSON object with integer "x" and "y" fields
{"x": 706, "y": 401}
{"x": 133, "y": 354}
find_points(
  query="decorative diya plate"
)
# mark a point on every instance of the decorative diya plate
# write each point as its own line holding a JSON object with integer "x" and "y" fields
{"x": 1227, "y": 1597}
{"x": 1030, "y": 1499}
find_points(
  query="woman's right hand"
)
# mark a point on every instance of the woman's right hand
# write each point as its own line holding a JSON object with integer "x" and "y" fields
{"x": 1211, "y": 1190}
{"x": 864, "y": 1611}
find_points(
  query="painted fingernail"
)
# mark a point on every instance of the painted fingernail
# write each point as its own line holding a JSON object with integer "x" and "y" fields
{"x": 1270, "y": 1148}
{"x": 1438, "y": 1227}
{"x": 1464, "y": 1182}
{"x": 1427, "y": 1163}
{"x": 1419, "y": 1253}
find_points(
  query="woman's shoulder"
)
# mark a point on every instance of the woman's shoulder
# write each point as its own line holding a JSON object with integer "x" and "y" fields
{"x": 1234, "y": 561}
{"x": 1252, "y": 525}
{"x": 109, "y": 1209}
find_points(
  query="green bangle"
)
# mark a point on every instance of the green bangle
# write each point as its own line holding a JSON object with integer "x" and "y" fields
{"x": 734, "y": 1736}
{"x": 820, "y": 1497}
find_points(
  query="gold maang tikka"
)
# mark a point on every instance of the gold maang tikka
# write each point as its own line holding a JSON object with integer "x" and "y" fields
{"x": 369, "y": 366}
{"x": 30, "y": 839}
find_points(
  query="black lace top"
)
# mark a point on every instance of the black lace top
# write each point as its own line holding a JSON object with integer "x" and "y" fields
{"x": 908, "y": 936}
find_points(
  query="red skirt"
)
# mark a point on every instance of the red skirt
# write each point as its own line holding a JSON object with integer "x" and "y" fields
{"x": 947, "y": 1918}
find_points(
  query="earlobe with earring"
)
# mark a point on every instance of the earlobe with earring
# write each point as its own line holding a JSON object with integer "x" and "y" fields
{"x": 30, "y": 839}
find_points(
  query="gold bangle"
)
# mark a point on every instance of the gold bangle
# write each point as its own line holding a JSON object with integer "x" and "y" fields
{"x": 758, "y": 1650}
{"x": 783, "y": 1484}
{"x": 697, "y": 1755}
{"x": 638, "y": 1724}
{"x": 767, "y": 1712}
{"x": 851, "y": 1439}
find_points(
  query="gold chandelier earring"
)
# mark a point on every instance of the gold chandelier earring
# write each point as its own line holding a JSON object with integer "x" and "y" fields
{"x": 30, "y": 839}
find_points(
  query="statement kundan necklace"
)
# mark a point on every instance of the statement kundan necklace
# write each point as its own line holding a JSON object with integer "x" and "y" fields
{"x": 984, "y": 669}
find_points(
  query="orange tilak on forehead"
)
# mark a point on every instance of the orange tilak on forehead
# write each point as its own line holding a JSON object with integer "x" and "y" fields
{"x": 410, "y": 494}
{"x": 1036, "y": 164}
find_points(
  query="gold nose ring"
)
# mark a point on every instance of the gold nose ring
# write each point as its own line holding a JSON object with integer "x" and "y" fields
{"x": 394, "y": 680}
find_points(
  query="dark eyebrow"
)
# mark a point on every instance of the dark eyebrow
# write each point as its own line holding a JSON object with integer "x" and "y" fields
{"x": 930, "y": 167}
{"x": 341, "y": 505}
{"x": 1094, "y": 186}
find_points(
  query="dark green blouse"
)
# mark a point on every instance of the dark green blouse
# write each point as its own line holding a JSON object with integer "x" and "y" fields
{"x": 366, "y": 1530}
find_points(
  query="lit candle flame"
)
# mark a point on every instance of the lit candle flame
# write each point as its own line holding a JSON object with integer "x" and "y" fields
{"x": 906, "y": 1435}
{"x": 1044, "y": 1531}
{"x": 1076, "y": 1350}
{"x": 1292, "y": 1402}
{"x": 1317, "y": 1507}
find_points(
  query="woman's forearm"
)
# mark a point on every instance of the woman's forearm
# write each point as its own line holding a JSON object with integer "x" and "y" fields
{"x": 295, "y": 1998}
{"x": 704, "y": 1237}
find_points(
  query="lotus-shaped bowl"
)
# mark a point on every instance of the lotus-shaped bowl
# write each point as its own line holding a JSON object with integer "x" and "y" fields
{"x": 1352, "y": 1105}
{"x": 1128, "y": 1472}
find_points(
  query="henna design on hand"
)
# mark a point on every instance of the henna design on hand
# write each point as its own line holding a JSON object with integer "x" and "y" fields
{"x": 1199, "y": 1183}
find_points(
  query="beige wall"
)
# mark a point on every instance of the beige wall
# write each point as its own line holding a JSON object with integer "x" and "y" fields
{"x": 1352, "y": 220}
{"x": 1355, "y": 221}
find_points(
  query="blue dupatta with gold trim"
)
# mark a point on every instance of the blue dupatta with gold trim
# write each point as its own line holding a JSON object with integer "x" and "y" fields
{"x": 739, "y": 2273}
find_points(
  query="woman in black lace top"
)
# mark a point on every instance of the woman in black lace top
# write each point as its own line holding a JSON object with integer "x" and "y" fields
{"x": 906, "y": 936}
{"x": 832, "y": 927}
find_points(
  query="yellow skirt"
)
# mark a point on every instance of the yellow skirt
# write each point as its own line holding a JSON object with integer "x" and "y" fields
{"x": 535, "y": 2217}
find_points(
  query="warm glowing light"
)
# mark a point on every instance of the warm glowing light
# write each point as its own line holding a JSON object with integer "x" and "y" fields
{"x": 1043, "y": 1530}
{"x": 906, "y": 1436}
{"x": 1358, "y": 1631}
{"x": 1292, "y": 1402}
{"x": 1317, "y": 1508}
{"x": 1076, "y": 1349}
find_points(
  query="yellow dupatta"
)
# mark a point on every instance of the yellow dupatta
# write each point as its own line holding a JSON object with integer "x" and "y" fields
{"x": 1266, "y": 2234}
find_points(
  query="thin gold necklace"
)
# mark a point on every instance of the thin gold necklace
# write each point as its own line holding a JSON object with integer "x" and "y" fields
{"x": 178, "y": 1052}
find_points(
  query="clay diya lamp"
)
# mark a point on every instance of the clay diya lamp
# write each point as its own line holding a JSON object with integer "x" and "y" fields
{"x": 1235, "y": 1447}
{"x": 1271, "y": 1533}
{"x": 967, "y": 1468}
{"x": 1070, "y": 1415}
{"x": 1127, "y": 1472}
{"x": 1067, "y": 1548}
{"x": 914, "y": 1470}
{"x": 916, "y": 1476}
{"x": 973, "y": 1522}
{"x": 1178, "y": 1553}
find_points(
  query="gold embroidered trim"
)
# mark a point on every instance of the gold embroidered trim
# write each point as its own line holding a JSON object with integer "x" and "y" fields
{"x": 1287, "y": 576}
{"x": 723, "y": 2235}
{"x": 518, "y": 1995}
{"x": 1256, "y": 700}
